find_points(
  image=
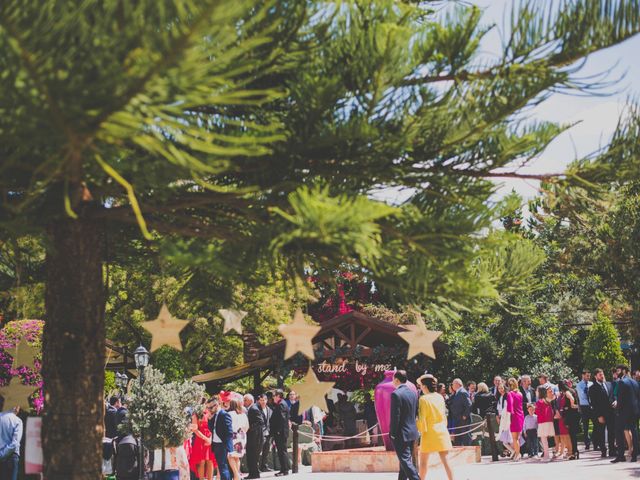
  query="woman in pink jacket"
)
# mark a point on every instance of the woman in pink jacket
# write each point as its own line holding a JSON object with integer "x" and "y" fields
{"x": 544, "y": 411}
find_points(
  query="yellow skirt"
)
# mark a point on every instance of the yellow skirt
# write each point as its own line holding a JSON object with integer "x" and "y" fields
{"x": 435, "y": 439}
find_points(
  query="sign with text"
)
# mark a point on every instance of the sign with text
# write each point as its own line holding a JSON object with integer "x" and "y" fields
{"x": 344, "y": 367}
{"x": 33, "y": 446}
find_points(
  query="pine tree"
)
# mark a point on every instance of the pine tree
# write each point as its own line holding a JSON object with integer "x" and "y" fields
{"x": 602, "y": 346}
{"x": 242, "y": 134}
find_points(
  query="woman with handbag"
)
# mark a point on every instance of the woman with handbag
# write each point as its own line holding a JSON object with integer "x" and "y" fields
{"x": 570, "y": 417}
{"x": 558, "y": 437}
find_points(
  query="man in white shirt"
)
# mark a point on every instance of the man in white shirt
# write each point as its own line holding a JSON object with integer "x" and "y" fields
{"x": 10, "y": 437}
{"x": 585, "y": 406}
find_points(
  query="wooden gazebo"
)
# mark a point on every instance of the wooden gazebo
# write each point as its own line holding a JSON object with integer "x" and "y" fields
{"x": 343, "y": 336}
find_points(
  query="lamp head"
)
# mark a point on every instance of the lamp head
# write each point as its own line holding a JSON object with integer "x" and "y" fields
{"x": 141, "y": 357}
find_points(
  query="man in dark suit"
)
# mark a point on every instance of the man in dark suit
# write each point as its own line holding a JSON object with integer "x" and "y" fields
{"x": 601, "y": 398}
{"x": 279, "y": 429}
{"x": 255, "y": 435}
{"x": 460, "y": 413}
{"x": 266, "y": 446}
{"x": 627, "y": 411}
{"x": 222, "y": 430}
{"x": 528, "y": 393}
{"x": 110, "y": 417}
{"x": 402, "y": 426}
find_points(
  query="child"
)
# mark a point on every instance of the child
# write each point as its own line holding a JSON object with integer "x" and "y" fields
{"x": 531, "y": 431}
{"x": 544, "y": 412}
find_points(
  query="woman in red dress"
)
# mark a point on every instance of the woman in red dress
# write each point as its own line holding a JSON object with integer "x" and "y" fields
{"x": 201, "y": 456}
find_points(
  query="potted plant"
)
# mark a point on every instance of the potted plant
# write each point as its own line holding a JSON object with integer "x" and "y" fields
{"x": 162, "y": 411}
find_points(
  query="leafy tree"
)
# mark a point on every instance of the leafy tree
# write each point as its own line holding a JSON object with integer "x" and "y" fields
{"x": 109, "y": 383}
{"x": 236, "y": 135}
{"x": 602, "y": 346}
{"x": 169, "y": 361}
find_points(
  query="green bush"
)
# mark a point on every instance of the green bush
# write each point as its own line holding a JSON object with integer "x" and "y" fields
{"x": 602, "y": 346}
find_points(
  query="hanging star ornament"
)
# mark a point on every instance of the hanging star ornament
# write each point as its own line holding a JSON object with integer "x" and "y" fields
{"x": 420, "y": 339}
{"x": 312, "y": 391}
{"x": 165, "y": 330}
{"x": 24, "y": 355}
{"x": 299, "y": 336}
{"x": 232, "y": 320}
{"x": 17, "y": 395}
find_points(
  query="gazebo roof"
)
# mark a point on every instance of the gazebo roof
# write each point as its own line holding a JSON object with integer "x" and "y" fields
{"x": 344, "y": 332}
{"x": 353, "y": 329}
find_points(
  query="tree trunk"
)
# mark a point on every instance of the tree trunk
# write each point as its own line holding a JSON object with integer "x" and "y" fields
{"x": 73, "y": 352}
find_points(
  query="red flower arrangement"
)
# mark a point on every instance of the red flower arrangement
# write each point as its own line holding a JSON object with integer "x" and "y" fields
{"x": 12, "y": 333}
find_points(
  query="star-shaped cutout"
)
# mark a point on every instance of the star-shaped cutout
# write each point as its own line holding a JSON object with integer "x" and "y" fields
{"x": 312, "y": 391}
{"x": 298, "y": 336}
{"x": 17, "y": 395}
{"x": 420, "y": 339}
{"x": 232, "y": 320}
{"x": 165, "y": 330}
{"x": 24, "y": 354}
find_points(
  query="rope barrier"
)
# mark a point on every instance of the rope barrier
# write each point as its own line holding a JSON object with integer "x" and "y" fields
{"x": 336, "y": 438}
{"x": 467, "y": 426}
{"x": 468, "y": 432}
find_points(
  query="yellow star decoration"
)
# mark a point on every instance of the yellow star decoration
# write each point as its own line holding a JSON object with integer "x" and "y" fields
{"x": 420, "y": 339}
{"x": 24, "y": 355}
{"x": 165, "y": 330}
{"x": 299, "y": 336}
{"x": 232, "y": 320}
{"x": 311, "y": 391}
{"x": 17, "y": 395}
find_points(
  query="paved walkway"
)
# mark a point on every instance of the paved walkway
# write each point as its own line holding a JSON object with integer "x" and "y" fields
{"x": 589, "y": 467}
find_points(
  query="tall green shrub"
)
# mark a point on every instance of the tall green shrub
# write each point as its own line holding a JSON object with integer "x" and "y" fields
{"x": 602, "y": 346}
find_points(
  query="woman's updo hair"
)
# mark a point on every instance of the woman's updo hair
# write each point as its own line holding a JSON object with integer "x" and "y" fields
{"x": 429, "y": 382}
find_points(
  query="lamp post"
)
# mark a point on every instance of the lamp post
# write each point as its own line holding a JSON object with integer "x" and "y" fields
{"x": 124, "y": 382}
{"x": 141, "y": 357}
{"x": 121, "y": 382}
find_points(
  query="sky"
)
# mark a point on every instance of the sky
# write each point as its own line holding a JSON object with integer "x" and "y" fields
{"x": 597, "y": 116}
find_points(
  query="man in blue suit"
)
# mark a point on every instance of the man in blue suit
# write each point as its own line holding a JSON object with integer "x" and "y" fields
{"x": 627, "y": 411}
{"x": 222, "y": 430}
{"x": 402, "y": 429}
{"x": 460, "y": 413}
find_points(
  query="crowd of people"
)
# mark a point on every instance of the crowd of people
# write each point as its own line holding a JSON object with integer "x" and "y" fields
{"x": 226, "y": 428}
{"x": 544, "y": 422}
{"x": 541, "y": 423}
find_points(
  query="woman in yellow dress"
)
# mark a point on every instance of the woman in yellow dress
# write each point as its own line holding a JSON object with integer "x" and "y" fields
{"x": 432, "y": 425}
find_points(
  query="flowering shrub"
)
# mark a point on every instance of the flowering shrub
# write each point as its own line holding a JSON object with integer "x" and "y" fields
{"x": 12, "y": 333}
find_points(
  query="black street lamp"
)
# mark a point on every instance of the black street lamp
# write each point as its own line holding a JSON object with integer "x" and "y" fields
{"x": 141, "y": 357}
{"x": 124, "y": 382}
{"x": 121, "y": 382}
